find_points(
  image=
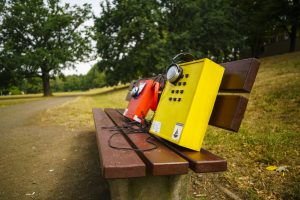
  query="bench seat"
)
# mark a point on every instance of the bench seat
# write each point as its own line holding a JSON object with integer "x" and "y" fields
{"x": 166, "y": 159}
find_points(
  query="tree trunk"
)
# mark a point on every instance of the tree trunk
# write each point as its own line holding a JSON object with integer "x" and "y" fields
{"x": 46, "y": 83}
{"x": 293, "y": 35}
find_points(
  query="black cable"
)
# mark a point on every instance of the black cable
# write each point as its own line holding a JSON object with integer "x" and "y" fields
{"x": 131, "y": 149}
{"x": 140, "y": 129}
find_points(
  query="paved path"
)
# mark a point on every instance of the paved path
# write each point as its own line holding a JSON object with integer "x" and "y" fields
{"x": 19, "y": 114}
{"x": 46, "y": 162}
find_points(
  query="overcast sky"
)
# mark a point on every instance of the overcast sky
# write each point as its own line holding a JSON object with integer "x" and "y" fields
{"x": 83, "y": 68}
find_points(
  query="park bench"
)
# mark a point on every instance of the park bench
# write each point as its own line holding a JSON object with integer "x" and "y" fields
{"x": 163, "y": 173}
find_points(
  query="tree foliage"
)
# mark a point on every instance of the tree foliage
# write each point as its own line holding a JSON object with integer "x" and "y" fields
{"x": 93, "y": 79}
{"x": 40, "y": 38}
{"x": 138, "y": 38}
{"x": 263, "y": 20}
{"x": 204, "y": 28}
{"x": 287, "y": 16}
{"x": 130, "y": 40}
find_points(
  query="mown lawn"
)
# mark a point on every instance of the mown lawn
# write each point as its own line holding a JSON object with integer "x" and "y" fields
{"x": 269, "y": 134}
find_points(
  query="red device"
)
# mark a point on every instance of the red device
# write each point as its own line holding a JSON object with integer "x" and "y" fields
{"x": 144, "y": 97}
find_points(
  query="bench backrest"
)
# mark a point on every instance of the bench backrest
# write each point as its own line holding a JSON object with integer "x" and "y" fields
{"x": 230, "y": 106}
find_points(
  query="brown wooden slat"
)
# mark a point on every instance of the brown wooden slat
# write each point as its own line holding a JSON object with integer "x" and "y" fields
{"x": 160, "y": 161}
{"x": 115, "y": 163}
{"x": 205, "y": 161}
{"x": 201, "y": 162}
{"x": 239, "y": 76}
{"x": 228, "y": 112}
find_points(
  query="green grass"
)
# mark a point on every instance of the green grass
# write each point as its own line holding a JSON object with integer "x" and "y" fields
{"x": 269, "y": 134}
{"x": 79, "y": 111}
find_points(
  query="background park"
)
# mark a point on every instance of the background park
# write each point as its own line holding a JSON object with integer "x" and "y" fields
{"x": 47, "y": 136}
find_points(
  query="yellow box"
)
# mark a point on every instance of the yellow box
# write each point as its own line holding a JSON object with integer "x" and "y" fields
{"x": 184, "y": 108}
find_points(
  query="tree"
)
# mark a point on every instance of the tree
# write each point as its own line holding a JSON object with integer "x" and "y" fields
{"x": 130, "y": 41}
{"x": 202, "y": 27}
{"x": 262, "y": 20}
{"x": 287, "y": 15}
{"x": 256, "y": 23}
{"x": 39, "y": 38}
{"x": 139, "y": 38}
{"x": 94, "y": 78}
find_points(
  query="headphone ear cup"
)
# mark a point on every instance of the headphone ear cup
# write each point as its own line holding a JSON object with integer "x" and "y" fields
{"x": 174, "y": 73}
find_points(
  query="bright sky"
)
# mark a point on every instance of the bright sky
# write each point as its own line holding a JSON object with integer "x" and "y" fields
{"x": 83, "y": 68}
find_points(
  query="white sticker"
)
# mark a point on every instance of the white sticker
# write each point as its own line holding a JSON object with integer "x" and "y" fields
{"x": 136, "y": 118}
{"x": 156, "y": 126}
{"x": 125, "y": 112}
{"x": 177, "y": 131}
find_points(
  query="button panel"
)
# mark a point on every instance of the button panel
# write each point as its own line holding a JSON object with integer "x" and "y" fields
{"x": 178, "y": 88}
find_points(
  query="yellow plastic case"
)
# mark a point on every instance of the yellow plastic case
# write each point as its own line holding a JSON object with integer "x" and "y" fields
{"x": 184, "y": 108}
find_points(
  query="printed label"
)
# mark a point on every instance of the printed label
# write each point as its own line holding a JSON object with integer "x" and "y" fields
{"x": 156, "y": 126}
{"x": 177, "y": 131}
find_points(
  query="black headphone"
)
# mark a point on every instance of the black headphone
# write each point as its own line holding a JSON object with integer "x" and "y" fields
{"x": 174, "y": 71}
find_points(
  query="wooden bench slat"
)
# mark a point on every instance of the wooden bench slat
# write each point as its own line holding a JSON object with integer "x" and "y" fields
{"x": 200, "y": 162}
{"x": 206, "y": 161}
{"x": 239, "y": 76}
{"x": 228, "y": 112}
{"x": 115, "y": 163}
{"x": 160, "y": 161}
